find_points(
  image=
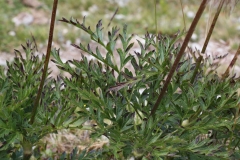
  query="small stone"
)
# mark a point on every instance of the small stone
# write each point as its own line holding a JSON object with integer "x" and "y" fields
{"x": 12, "y": 33}
{"x": 32, "y": 3}
{"x": 23, "y": 18}
{"x": 185, "y": 123}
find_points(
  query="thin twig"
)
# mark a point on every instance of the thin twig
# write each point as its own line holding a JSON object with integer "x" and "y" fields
{"x": 155, "y": 12}
{"x": 34, "y": 42}
{"x": 112, "y": 17}
{"x": 180, "y": 54}
{"x": 236, "y": 116}
{"x": 183, "y": 16}
{"x": 199, "y": 60}
{"x": 232, "y": 63}
{"x": 234, "y": 125}
{"x": 50, "y": 38}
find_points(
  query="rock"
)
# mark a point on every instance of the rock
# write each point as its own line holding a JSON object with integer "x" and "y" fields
{"x": 32, "y": 3}
{"x": 24, "y": 18}
{"x": 32, "y": 17}
{"x": 40, "y": 17}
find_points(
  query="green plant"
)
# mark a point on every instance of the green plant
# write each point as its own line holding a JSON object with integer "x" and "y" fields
{"x": 19, "y": 131}
{"x": 119, "y": 100}
{"x": 196, "y": 119}
{"x": 18, "y": 89}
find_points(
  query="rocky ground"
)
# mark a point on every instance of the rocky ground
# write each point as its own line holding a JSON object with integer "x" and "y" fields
{"x": 68, "y": 52}
{"x": 35, "y": 16}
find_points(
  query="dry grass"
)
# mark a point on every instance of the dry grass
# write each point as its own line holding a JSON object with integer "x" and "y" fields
{"x": 66, "y": 140}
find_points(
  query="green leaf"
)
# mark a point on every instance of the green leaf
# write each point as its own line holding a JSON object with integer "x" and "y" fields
{"x": 154, "y": 139}
{"x": 99, "y": 54}
{"x": 127, "y": 151}
{"x": 82, "y": 154}
{"x": 77, "y": 122}
{"x": 128, "y": 125}
{"x": 63, "y": 156}
{"x": 129, "y": 47}
{"x": 129, "y": 58}
{"x": 11, "y": 138}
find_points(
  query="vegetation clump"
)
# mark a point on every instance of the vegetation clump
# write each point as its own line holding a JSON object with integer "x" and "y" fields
{"x": 196, "y": 116}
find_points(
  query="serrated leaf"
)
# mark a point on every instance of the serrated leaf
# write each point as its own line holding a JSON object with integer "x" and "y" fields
{"x": 99, "y": 54}
{"x": 99, "y": 32}
{"x": 129, "y": 47}
{"x": 124, "y": 43}
{"x": 121, "y": 55}
{"x": 110, "y": 46}
{"x": 135, "y": 65}
{"x": 142, "y": 48}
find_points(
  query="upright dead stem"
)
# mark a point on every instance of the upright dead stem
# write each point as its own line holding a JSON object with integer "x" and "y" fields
{"x": 232, "y": 63}
{"x": 199, "y": 60}
{"x": 229, "y": 5}
{"x": 234, "y": 125}
{"x": 50, "y": 38}
{"x": 184, "y": 22}
{"x": 114, "y": 14}
{"x": 155, "y": 13}
{"x": 180, "y": 54}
